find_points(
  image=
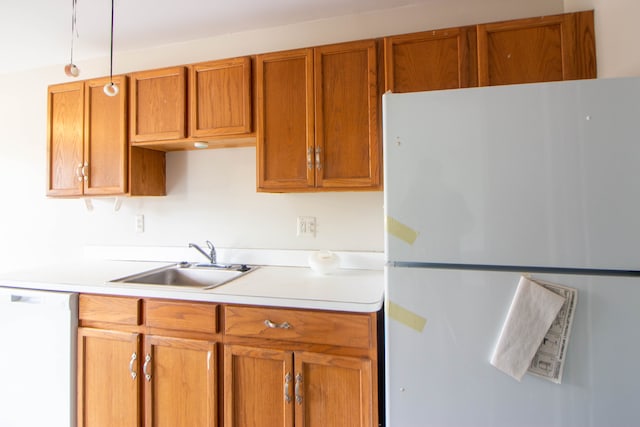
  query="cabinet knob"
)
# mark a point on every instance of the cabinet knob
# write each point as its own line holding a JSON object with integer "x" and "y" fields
{"x": 318, "y": 162}
{"x": 147, "y": 360}
{"x": 309, "y": 158}
{"x": 79, "y": 172}
{"x": 298, "y": 389}
{"x": 287, "y": 381}
{"x": 85, "y": 174}
{"x": 133, "y": 373}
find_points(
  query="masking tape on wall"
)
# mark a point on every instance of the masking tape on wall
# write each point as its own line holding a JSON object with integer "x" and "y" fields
{"x": 401, "y": 231}
{"x": 406, "y": 317}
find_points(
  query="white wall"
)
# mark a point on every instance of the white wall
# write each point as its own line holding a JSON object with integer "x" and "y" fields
{"x": 617, "y": 35}
{"x": 211, "y": 194}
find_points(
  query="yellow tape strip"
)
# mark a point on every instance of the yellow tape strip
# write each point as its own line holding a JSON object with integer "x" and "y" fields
{"x": 401, "y": 231}
{"x": 406, "y": 317}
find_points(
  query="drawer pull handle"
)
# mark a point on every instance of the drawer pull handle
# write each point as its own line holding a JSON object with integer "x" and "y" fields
{"x": 283, "y": 325}
{"x": 133, "y": 374}
{"x": 298, "y": 389}
{"x": 287, "y": 381}
{"x": 147, "y": 360}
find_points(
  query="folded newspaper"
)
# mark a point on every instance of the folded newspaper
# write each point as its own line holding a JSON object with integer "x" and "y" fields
{"x": 548, "y": 361}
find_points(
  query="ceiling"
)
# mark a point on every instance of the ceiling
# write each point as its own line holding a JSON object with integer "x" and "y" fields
{"x": 37, "y": 33}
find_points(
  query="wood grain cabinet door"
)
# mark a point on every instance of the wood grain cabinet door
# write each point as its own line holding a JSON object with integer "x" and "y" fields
{"x": 333, "y": 391}
{"x": 158, "y": 105}
{"x": 109, "y": 375}
{"x": 180, "y": 382}
{"x": 65, "y": 136}
{"x": 285, "y": 144}
{"x": 259, "y": 387}
{"x": 431, "y": 60}
{"x": 106, "y": 148}
{"x": 220, "y": 97}
{"x": 549, "y": 48}
{"x": 347, "y": 147}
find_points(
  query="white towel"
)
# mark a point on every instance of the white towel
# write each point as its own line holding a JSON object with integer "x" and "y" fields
{"x": 530, "y": 316}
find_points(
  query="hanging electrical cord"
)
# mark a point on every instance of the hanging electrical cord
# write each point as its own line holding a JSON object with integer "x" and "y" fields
{"x": 71, "y": 69}
{"x": 111, "y": 89}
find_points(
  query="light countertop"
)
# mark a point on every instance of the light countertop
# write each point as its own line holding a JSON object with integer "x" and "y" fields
{"x": 354, "y": 290}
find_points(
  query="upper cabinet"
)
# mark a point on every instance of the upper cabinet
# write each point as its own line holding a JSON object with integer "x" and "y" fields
{"x": 318, "y": 119}
{"x": 88, "y": 151}
{"x": 549, "y": 48}
{"x": 65, "y": 139}
{"x": 431, "y": 60}
{"x": 158, "y": 105}
{"x": 172, "y": 108}
{"x": 220, "y": 98}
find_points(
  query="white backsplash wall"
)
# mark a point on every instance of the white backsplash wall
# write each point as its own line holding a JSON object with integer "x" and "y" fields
{"x": 211, "y": 194}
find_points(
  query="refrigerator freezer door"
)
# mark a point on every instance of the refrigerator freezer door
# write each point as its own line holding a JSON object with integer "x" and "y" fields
{"x": 440, "y": 375}
{"x": 525, "y": 175}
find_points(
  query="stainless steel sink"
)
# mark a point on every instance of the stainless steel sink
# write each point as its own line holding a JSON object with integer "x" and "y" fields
{"x": 204, "y": 276}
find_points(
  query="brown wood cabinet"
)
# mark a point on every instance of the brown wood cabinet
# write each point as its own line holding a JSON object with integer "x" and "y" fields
{"x": 171, "y": 108}
{"x": 220, "y": 97}
{"x": 431, "y": 60}
{"x": 88, "y": 152}
{"x": 162, "y": 353}
{"x": 318, "y": 119}
{"x": 549, "y": 48}
{"x": 299, "y": 367}
{"x": 87, "y": 144}
{"x": 158, "y": 105}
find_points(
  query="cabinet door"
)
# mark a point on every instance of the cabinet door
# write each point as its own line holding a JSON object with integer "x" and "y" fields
{"x": 333, "y": 391}
{"x": 158, "y": 105}
{"x": 550, "y": 48}
{"x": 285, "y": 142}
{"x": 431, "y": 60}
{"x": 108, "y": 378}
{"x": 220, "y": 98}
{"x": 105, "y": 140}
{"x": 180, "y": 382}
{"x": 65, "y": 136}
{"x": 258, "y": 386}
{"x": 347, "y": 147}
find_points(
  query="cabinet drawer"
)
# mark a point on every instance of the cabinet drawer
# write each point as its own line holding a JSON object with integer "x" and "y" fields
{"x": 313, "y": 327}
{"x": 102, "y": 308}
{"x": 181, "y": 315}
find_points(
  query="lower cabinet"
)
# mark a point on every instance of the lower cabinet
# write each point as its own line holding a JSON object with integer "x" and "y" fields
{"x": 108, "y": 381}
{"x": 164, "y": 363}
{"x": 286, "y": 368}
{"x": 135, "y": 373}
{"x": 272, "y": 388}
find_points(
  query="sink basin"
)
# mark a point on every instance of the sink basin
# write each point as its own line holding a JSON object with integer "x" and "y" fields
{"x": 201, "y": 276}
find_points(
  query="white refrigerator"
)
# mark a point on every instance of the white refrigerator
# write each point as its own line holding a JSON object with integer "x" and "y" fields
{"x": 484, "y": 186}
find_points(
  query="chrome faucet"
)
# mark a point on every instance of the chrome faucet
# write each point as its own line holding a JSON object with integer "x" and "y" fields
{"x": 211, "y": 256}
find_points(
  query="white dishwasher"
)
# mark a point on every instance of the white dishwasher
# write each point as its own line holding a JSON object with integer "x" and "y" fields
{"x": 37, "y": 358}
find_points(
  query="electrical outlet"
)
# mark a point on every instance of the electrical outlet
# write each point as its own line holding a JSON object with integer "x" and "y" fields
{"x": 139, "y": 223}
{"x": 306, "y": 226}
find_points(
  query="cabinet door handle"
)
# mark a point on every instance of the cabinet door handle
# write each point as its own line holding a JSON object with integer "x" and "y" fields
{"x": 79, "y": 172}
{"x": 287, "y": 381}
{"x": 133, "y": 373}
{"x": 309, "y": 158}
{"x": 271, "y": 325}
{"x": 85, "y": 174}
{"x": 298, "y": 388}
{"x": 318, "y": 162}
{"x": 147, "y": 360}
